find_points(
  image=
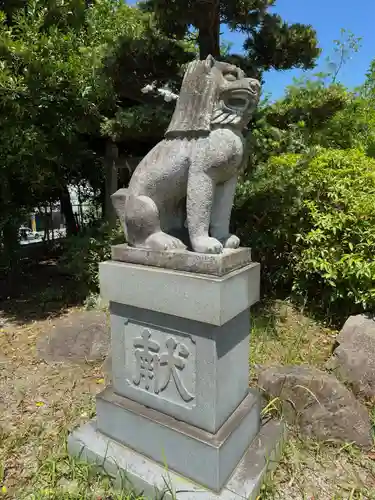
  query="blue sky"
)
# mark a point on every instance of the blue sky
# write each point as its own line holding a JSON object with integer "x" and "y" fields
{"x": 327, "y": 17}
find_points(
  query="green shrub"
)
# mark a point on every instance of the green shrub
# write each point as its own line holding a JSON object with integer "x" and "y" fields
{"x": 82, "y": 254}
{"x": 310, "y": 220}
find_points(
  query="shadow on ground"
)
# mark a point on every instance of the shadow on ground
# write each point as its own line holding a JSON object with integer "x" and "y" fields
{"x": 39, "y": 291}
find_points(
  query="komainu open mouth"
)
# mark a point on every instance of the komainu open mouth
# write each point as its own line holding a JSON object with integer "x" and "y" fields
{"x": 238, "y": 100}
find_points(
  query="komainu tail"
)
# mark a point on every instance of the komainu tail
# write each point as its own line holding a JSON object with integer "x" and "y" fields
{"x": 119, "y": 201}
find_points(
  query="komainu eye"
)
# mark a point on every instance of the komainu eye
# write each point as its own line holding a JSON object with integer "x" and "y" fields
{"x": 230, "y": 76}
{"x": 255, "y": 87}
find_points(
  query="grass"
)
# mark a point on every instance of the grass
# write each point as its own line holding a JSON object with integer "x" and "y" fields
{"x": 40, "y": 403}
{"x": 282, "y": 335}
{"x": 313, "y": 470}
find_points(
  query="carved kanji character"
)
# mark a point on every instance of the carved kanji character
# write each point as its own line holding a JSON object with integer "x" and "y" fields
{"x": 147, "y": 357}
{"x": 175, "y": 358}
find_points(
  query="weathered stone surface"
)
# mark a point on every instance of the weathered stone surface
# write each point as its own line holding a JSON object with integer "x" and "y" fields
{"x": 318, "y": 403}
{"x": 190, "y": 177}
{"x": 207, "y": 458}
{"x": 133, "y": 470}
{"x": 81, "y": 336}
{"x": 200, "y": 297}
{"x": 354, "y": 358}
{"x": 184, "y": 260}
{"x": 201, "y": 386}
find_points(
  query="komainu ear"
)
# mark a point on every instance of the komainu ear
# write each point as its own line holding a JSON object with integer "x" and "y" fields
{"x": 193, "y": 111}
{"x": 209, "y": 62}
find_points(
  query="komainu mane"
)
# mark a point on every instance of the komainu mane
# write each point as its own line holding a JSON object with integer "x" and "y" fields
{"x": 189, "y": 178}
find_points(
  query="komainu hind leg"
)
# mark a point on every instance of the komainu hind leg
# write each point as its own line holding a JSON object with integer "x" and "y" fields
{"x": 140, "y": 217}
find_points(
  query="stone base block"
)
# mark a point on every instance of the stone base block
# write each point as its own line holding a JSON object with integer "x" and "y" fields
{"x": 134, "y": 471}
{"x": 206, "y": 458}
{"x": 212, "y": 375}
{"x": 193, "y": 296}
{"x": 184, "y": 260}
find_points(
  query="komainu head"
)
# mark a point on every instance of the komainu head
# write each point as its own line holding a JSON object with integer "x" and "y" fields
{"x": 213, "y": 94}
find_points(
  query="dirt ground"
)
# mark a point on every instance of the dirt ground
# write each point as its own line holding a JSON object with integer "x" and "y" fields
{"x": 283, "y": 335}
{"x": 39, "y": 403}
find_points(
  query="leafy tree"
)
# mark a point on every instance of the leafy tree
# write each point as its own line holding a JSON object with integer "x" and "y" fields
{"x": 303, "y": 118}
{"x": 58, "y": 90}
{"x": 314, "y": 113}
{"x": 270, "y": 42}
{"x": 68, "y": 81}
{"x": 310, "y": 219}
{"x": 315, "y": 110}
{"x": 59, "y": 96}
{"x": 366, "y": 110}
{"x": 10, "y": 8}
{"x": 343, "y": 50}
{"x": 368, "y": 89}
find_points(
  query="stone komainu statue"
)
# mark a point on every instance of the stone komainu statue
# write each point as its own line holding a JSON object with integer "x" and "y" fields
{"x": 189, "y": 178}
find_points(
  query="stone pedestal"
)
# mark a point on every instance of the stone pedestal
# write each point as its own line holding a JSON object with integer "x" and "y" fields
{"x": 179, "y": 396}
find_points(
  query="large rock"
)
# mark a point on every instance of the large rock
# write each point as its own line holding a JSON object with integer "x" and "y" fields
{"x": 318, "y": 403}
{"x": 79, "y": 337}
{"x": 354, "y": 358}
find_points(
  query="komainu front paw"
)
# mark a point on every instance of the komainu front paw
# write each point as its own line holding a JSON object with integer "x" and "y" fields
{"x": 231, "y": 242}
{"x": 205, "y": 244}
{"x": 164, "y": 242}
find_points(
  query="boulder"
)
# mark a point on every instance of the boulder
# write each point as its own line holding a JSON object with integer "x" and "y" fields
{"x": 318, "y": 403}
{"x": 353, "y": 360}
{"x": 82, "y": 336}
